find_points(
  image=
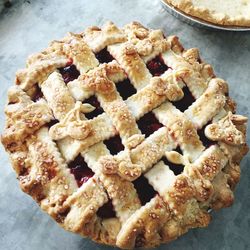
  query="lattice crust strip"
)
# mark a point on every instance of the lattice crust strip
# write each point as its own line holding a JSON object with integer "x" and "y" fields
{"x": 69, "y": 102}
{"x": 57, "y": 95}
{"x": 48, "y": 179}
{"x": 181, "y": 129}
{"x": 215, "y": 100}
{"x": 145, "y": 222}
{"x": 83, "y": 205}
{"x": 124, "y": 204}
{"x": 24, "y": 117}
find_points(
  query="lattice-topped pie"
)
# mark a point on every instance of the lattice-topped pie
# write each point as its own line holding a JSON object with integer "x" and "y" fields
{"x": 124, "y": 136}
{"x": 225, "y": 13}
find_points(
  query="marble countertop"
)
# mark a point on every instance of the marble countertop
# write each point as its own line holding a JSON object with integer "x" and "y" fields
{"x": 28, "y": 26}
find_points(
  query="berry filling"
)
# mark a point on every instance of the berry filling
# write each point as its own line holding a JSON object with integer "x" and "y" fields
{"x": 81, "y": 171}
{"x": 38, "y": 94}
{"x": 52, "y": 123}
{"x": 98, "y": 109}
{"x": 157, "y": 66}
{"x": 140, "y": 240}
{"x": 186, "y": 101}
{"x": 69, "y": 73}
{"x": 51, "y": 172}
{"x": 176, "y": 168}
{"x": 126, "y": 89}
{"x": 114, "y": 145}
{"x": 104, "y": 56}
{"x": 144, "y": 190}
{"x": 148, "y": 124}
{"x": 205, "y": 141}
{"x": 106, "y": 211}
{"x": 178, "y": 149}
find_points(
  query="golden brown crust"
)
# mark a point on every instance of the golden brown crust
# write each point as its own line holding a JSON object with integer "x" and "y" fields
{"x": 142, "y": 228}
{"x": 41, "y": 151}
{"x": 98, "y": 39}
{"x": 23, "y": 118}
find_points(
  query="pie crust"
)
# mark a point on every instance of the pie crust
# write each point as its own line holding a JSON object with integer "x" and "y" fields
{"x": 123, "y": 136}
{"x": 226, "y": 13}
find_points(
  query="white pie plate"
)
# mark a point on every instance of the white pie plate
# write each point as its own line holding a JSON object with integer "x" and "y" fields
{"x": 197, "y": 21}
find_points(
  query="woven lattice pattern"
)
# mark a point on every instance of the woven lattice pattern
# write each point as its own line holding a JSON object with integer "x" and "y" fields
{"x": 124, "y": 136}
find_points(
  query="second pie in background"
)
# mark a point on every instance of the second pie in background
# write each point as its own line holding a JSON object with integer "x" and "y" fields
{"x": 226, "y": 13}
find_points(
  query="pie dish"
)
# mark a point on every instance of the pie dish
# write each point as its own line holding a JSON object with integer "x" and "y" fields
{"x": 225, "y": 13}
{"x": 123, "y": 136}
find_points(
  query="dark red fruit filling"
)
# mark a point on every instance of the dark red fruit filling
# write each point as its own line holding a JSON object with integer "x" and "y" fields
{"x": 61, "y": 214}
{"x": 186, "y": 101}
{"x": 144, "y": 189}
{"x": 140, "y": 240}
{"x": 176, "y": 168}
{"x": 178, "y": 149}
{"x": 81, "y": 171}
{"x": 205, "y": 141}
{"x": 104, "y": 56}
{"x": 98, "y": 109}
{"x": 114, "y": 144}
{"x": 38, "y": 94}
{"x": 52, "y": 123}
{"x": 106, "y": 211}
{"x": 148, "y": 124}
{"x": 126, "y": 89}
{"x": 51, "y": 172}
{"x": 157, "y": 66}
{"x": 69, "y": 73}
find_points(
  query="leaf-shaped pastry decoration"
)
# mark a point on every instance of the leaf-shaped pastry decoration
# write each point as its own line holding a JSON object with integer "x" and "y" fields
{"x": 226, "y": 130}
{"x": 120, "y": 165}
{"x": 167, "y": 85}
{"x": 73, "y": 125}
{"x": 177, "y": 158}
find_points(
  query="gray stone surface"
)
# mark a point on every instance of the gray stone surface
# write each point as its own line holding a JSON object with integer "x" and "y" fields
{"x": 28, "y": 27}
